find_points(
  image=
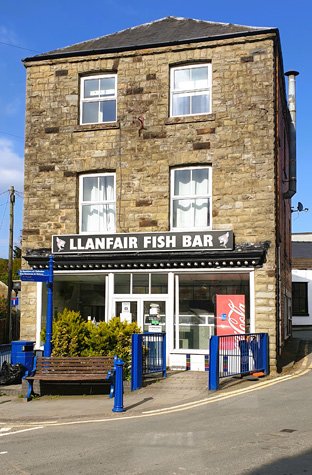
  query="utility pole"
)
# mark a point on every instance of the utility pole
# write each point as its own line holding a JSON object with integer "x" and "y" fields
{"x": 10, "y": 266}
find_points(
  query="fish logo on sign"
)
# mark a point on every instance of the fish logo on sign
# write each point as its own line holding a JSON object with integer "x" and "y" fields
{"x": 224, "y": 239}
{"x": 60, "y": 243}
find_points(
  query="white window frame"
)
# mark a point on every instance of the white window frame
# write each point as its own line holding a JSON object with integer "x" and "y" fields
{"x": 104, "y": 202}
{"x": 174, "y": 197}
{"x": 190, "y": 92}
{"x": 97, "y": 99}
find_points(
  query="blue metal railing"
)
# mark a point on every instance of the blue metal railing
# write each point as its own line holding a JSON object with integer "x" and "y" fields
{"x": 148, "y": 356}
{"x": 154, "y": 353}
{"x": 5, "y": 353}
{"x": 232, "y": 355}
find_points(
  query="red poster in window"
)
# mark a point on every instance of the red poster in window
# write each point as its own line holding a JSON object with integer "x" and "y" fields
{"x": 230, "y": 311}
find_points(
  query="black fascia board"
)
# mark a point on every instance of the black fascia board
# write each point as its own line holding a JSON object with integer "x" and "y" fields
{"x": 145, "y": 46}
{"x": 131, "y": 258}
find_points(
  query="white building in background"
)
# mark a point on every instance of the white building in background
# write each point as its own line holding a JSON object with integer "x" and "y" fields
{"x": 302, "y": 279}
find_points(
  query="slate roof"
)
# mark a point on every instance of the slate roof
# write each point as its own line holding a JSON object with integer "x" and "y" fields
{"x": 302, "y": 250}
{"x": 168, "y": 30}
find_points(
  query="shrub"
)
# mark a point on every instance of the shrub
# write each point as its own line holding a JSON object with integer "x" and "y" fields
{"x": 72, "y": 336}
{"x": 69, "y": 334}
{"x": 110, "y": 339}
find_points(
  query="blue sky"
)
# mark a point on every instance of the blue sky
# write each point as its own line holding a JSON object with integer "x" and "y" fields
{"x": 28, "y": 27}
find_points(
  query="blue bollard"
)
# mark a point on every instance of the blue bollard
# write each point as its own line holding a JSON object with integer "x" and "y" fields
{"x": 213, "y": 384}
{"x": 137, "y": 362}
{"x": 164, "y": 360}
{"x": 118, "y": 399}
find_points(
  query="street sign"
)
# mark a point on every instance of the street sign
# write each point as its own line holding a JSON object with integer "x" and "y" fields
{"x": 35, "y": 275}
{"x": 14, "y": 301}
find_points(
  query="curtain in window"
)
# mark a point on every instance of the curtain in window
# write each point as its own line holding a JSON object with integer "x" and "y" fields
{"x": 191, "y": 211}
{"x": 98, "y": 215}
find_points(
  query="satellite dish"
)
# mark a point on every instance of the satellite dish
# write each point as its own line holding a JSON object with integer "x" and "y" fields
{"x": 300, "y": 206}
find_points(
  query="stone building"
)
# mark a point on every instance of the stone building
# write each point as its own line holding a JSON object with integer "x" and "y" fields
{"x": 158, "y": 159}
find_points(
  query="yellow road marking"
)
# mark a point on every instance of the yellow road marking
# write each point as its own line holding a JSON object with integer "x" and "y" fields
{"x": 172, "y": 409}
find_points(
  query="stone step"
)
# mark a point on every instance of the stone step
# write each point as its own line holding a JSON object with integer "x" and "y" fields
{"x": 11, "y": 390}
{"x": 191, "y": 380}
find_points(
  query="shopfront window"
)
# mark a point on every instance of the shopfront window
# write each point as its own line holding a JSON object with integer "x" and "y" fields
{"x": 122, "y": 283}
{"x": 83, "y": 293}
{"x": 141, "y": 283}
{"x": 196, "y": 316}
{"x": 149, "y": 318}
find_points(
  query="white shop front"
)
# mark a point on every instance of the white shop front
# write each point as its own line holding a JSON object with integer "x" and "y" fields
{"x": 181, "y": 274}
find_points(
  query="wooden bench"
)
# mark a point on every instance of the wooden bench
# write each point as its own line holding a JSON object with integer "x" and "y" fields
{"x": 71, "y": 369}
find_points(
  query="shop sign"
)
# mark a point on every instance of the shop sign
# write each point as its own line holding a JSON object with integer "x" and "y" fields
{"x": 35, "y": 275}
{"x": 143, "y": 242}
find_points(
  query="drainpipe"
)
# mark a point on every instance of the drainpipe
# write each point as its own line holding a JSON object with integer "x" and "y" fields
{"x": 292, "y": 184}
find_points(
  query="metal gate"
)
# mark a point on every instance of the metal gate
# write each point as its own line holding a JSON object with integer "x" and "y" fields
{"x": 231, "y": 355}
{"x": 148, "y": 356}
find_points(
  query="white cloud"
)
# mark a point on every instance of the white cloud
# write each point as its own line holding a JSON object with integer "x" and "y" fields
{"x": 8, "y": 36}
{"x": 11, "y": 167}
{"x": 13, "y": 107}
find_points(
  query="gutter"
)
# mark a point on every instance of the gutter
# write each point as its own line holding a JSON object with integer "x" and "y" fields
{"x": 292, "y": 172}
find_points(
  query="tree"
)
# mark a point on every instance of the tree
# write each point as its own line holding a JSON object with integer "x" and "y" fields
{"x": 4, "y": 269}
{"x": 3, "y": 307}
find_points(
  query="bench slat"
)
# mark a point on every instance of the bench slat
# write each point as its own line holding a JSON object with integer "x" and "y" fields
{"x": 73, "y": 368}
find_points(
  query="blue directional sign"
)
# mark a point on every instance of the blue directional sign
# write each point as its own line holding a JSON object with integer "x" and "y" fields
{"x": 35, "y": 275}
{"x": 44, "y": 275}
{"x": 14, "y": 301}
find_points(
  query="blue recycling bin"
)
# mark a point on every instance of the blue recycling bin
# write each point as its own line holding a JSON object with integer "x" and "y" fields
{"x": 23, "y": 353}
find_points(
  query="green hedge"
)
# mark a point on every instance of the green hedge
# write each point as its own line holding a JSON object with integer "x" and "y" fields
{"x": 73, "y": 336}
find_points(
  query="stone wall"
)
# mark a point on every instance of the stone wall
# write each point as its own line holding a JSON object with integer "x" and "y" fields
{"x": 237, "y": 139}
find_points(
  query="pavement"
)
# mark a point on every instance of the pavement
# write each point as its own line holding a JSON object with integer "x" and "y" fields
{"x": 179, "y": 389}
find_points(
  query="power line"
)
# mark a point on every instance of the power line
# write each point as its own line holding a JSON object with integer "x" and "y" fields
{"x": 19, "y": 47}
{"x": 4, "y": 212}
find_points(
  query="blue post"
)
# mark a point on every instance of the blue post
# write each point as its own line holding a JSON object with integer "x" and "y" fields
{"x": 264, "y": 348}
{"x": 255, "y": 350}
{"x": 244, "y": 356}
{"x": 49, "y": 317}
{"x": 118, "y": 400}
{"x": 137, "y": 362}
{"x": 214, "y": 363}
{"x": 164, "y": 366}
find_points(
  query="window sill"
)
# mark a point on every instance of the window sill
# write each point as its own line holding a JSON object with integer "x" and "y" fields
{"x": 190, "y": 119}
{"x": 301, "y": 315}
{"x": 94, "y": 127}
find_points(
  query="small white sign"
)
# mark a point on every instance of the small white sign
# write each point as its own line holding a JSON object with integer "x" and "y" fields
{"x": 154, "y": 328}
{"x": 126, "y": 317}
{"x": 125, "y": 307}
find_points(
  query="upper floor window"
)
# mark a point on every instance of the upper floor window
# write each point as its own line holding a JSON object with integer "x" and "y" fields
{"x": 97, "y": 203}
{"x": 98, "y": 99}
{"x": 191, "y": 198}
{"x": 190, "y": 90}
